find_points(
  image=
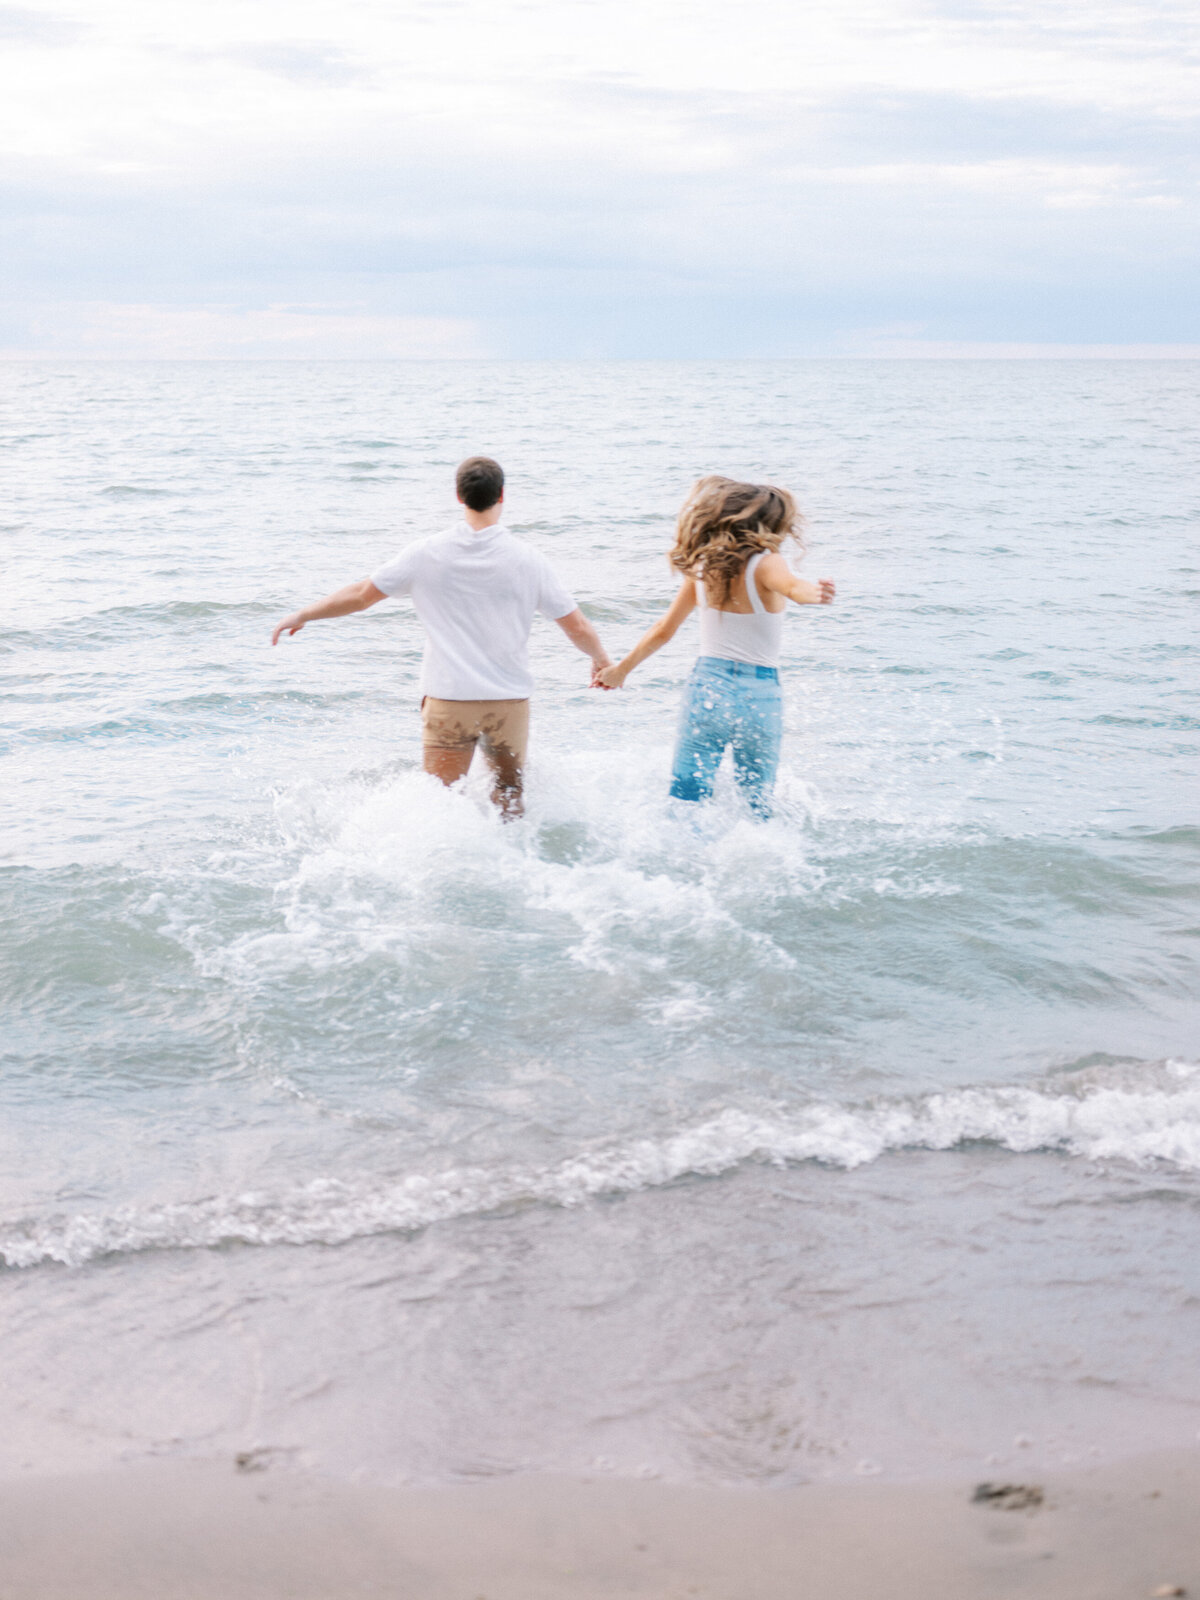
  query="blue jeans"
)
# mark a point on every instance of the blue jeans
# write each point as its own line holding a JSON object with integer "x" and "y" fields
{"x": 729, "y": 703}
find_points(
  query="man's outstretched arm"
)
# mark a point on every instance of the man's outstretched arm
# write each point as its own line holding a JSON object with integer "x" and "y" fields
{"x": 354, "y": 597}
{"x": 584, "y": 637}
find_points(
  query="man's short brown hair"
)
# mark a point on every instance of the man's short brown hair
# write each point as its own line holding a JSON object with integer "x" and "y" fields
{"x": 479, "y": 482}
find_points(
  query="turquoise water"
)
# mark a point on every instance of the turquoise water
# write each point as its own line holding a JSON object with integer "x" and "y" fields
{"x": 338, "y": 1118}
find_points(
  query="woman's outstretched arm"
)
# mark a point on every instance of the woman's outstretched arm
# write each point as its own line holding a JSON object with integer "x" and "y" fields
{"x": 774, "y": 573}
{"x": 654, "y": 638}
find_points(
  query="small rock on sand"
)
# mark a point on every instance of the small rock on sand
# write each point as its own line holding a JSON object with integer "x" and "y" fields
{"x": 1164, "y": 1590}
{"x": 1008, "y": 1496}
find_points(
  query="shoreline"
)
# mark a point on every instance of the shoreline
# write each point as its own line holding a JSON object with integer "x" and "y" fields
{"x": 217, "y": 1530}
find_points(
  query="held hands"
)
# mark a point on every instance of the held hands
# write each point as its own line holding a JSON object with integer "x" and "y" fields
{"x": 828, "y": 589}
{"x": 608, "y": 678}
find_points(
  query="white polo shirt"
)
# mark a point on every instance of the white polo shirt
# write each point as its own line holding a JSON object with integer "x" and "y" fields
{"x": 476, "y": 594}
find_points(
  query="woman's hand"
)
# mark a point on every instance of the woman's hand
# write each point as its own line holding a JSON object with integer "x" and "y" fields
{"x": 609, "y": 678}
{"x": 805, "y": 593}
{"x": 774, "y": 573}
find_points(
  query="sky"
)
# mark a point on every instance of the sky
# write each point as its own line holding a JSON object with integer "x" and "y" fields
{"x": 599, "y": 178}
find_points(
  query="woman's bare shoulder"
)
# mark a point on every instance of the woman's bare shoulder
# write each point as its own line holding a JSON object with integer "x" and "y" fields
{"x": 772, "y": 565}
{"x": 771, "y": 577}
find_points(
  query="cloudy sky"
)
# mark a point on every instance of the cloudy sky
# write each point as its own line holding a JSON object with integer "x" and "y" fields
{"x": 562, "y": 178}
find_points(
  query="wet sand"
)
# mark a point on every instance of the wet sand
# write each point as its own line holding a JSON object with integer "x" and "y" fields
{"x": 217, "y": 1530}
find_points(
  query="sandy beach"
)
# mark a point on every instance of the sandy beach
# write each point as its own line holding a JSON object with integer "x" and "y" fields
{"x": 224, "y": 1530}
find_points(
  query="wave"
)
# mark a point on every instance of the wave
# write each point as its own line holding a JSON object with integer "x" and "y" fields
{"x": 95, "y": 629}
{"x": 1094, "y": 1121}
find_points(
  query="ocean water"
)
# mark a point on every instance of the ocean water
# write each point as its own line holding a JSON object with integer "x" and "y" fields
{"x": 340, "y": 1121}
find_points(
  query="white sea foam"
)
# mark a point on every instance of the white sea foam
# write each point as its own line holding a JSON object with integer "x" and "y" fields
{"x": 1096, "y": 1121}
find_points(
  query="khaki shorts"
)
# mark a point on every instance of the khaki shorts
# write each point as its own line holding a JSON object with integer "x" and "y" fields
{"x": 500, "y": 726}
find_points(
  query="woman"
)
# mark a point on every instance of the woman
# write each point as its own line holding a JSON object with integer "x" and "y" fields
{"x": 727, "y": 547}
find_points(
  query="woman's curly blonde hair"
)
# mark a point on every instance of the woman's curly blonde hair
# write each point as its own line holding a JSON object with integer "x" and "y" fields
{"x": 722, "y": 523}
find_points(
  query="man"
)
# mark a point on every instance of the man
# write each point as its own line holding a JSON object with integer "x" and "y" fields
{"x": 475, "y": 588}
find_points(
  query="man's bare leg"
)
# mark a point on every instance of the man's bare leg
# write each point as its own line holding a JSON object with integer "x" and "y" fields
{"x": 451, "y": 765}
{"x": 452, "y": 729}
{"x": 507, "y": 780}
{"x": 448, "y": 765}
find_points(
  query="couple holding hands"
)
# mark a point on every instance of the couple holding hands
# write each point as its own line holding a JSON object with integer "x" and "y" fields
{"x": 476, "y": 588}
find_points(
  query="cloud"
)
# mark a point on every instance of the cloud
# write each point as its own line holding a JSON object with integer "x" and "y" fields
{"x": 900, "y": 347}
{"x": 21, "y": 25}
{"x": 157, "y": 332}
{"x": 684, "y": 178}
{"x": 321, "y": 64}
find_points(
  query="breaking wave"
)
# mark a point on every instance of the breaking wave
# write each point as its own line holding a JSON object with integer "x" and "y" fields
{"x": 1101, "y": 1122}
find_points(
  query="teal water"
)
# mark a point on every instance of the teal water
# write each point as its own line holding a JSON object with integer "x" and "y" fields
{"x": 294, "y": 1039}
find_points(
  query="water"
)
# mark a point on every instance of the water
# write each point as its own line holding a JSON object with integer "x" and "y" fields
{"x": 341, "y": 1120}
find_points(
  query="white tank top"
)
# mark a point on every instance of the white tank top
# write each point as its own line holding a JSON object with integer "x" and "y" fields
{"x": 751, "y": 636}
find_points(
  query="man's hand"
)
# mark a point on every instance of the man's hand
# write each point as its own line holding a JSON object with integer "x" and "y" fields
{"x": 599, "y": 668}
{"x": 289, "y": 625}
{"x": 609, "y": 677}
